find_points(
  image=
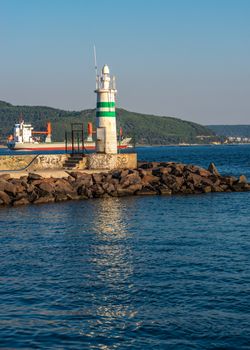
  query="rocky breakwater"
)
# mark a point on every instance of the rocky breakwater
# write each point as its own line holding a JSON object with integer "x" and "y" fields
{"x": 165, "y": 178}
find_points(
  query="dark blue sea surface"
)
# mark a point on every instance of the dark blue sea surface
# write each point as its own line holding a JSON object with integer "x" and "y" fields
{"x": 131, "y": 273}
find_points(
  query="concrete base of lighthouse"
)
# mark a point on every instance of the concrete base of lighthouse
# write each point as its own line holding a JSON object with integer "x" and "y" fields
{"x": 101, "y": 161}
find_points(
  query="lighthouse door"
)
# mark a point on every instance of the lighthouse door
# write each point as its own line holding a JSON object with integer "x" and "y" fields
{"x": 100, "y": 139}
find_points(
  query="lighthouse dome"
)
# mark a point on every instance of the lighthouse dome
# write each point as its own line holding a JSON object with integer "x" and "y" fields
{"x": 105, "y": 69}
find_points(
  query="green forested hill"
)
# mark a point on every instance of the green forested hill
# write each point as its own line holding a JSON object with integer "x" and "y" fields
{"x": 231, "y": 130}
{"x": 143, "y": 128}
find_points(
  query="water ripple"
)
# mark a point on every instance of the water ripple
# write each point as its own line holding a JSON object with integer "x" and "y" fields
{"x": 130, "y": 273}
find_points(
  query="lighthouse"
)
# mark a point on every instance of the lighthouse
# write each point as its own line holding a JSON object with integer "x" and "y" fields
{"x": 106, "y": 134}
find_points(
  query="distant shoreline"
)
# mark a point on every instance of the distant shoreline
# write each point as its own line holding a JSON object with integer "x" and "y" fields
{"x": 174, "y": 145}
{"x": 194, "y": 144}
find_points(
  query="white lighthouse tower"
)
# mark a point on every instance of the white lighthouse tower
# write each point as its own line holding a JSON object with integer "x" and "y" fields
{"x": 106, "y": 141}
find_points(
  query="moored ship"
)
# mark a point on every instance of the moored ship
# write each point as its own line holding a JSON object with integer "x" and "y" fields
{"x": 26, "y": 139}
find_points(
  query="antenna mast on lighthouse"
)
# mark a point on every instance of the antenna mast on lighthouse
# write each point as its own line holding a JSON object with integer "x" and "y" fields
{"x": 96, "y": 75}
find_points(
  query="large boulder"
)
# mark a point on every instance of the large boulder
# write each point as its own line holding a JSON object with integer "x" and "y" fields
{"x": 247, "y": 187}
{"x": 34, "y": 176}
{"x": 194, "y": 178}
{"x": 63, "y": 186}
{"x": 242, "y": 179}
{"x": 135, "y": 187}
{"x": 4, "y": 177}
{"x": 148, "y": 165}
{"x": 191, "y": 168}
{"x": 21, "y": 201}
{"x": 124, "y": 173}
{"x": 109, "y": 188}
{"x": 188, "y": 185}
{"x": 187, "y": 191}
{"x": 108, "y": 177}
{"x": 60, "y": 197}
{"x": 240, "y": 186}
{"x": 204, "y": 173}
{"x": 8, "y": 187}
{"x": 3, "y": 184}
{"x": 217, "y": 189}
{"x": 20, "y": 185}
{"x": 124, "y": 192}
{"x": 35, "y": 182}
{"x": 213, "y": 170}
{"x": 157, "y": 171}
{"x": 207, "y": 189}
{"x": 164, "y": 190}
{"x": 207, "y": 182}
{"x": 166, "y": 170}
{"x": 173, "y": 182}
{"x": 228, "y": 180}
{"x": 116, "y": 174}
{"x": 85, "y": 191}
{"x": 97, "y": 190}
{"x": 144, "y": 172}
{"x": 21, "y": 195}
{"x": 46, "y": 187}
{"x": 97, "y": 178}
{"x": 74, "y": 174}
{"x": 46, "y": 199}
{"x": 75, "y": 196}
{"x": 149, "y": 179}
{"x": 85, "y": 181}
{"x": 5, "y": 198}
{"x": 30, "y": 188}
{"x": 33, "y": 196}
{"x": 178, "y": 169}
{"x": 130, "y": 179}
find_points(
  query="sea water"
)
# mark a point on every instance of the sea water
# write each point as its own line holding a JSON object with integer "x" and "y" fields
{"x": 131, "y": 273}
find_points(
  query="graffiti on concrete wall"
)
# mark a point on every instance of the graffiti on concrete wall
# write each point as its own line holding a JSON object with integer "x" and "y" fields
{"x": 53, "y": 161}
{"x": 122, "y": 161}
{"x": 107, "y": 161}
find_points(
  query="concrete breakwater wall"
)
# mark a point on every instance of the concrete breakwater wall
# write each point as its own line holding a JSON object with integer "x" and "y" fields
{"x": 32, "y": 162}
{"x": 56, "y": 161}
{"x": 163, "y": 178}
{"x": 14, "y": 162}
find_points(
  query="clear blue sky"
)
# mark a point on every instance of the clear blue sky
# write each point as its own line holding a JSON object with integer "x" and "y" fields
{"x": 184, "y": 58}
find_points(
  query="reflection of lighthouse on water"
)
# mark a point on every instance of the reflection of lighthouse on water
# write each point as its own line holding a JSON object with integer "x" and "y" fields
{"x": 112, "y": 258}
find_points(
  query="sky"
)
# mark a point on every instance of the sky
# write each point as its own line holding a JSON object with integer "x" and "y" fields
{"x": 184, "y": 58}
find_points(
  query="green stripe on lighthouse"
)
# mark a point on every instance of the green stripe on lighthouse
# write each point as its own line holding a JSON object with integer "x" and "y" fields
{"x": 105, "y": 114}
{"x": 106, "y": 104}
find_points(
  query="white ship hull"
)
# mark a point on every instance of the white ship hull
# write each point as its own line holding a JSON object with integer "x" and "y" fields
{"x": 58, "y": 146}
